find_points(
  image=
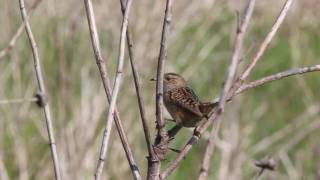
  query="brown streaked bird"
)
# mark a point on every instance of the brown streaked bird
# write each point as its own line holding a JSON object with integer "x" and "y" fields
{"x": 183, "y": 104}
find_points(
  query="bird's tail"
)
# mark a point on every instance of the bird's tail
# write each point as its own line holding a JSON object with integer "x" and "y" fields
{"x": 207, "y": 107}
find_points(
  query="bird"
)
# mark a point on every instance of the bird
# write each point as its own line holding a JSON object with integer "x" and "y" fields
{"x": 183, "y": 104}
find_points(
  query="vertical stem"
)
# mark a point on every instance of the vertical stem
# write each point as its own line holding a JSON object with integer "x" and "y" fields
{"x": 114, "y": 95}
{"x": 206, "y": 161}
{"x": 241, "y": 30}
{"x": 137, "y": 84}
{"x": 105, "y": 81}
{"x": 42, "y": 90}
{"x": 268, "y": 39}
{"x": 162, "y": 134}
{"x": 238, "y": 44}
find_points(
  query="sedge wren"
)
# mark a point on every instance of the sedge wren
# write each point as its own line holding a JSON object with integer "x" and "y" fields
{"x": 183, "y": 104}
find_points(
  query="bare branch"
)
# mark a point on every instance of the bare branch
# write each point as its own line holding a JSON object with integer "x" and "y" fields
{"x": 19, "y": 31}
{"x": 116, "y": 87}
{"x": 162, "y": 139}
{"x": 138, "y": 89}
{"x": 241, "y": 30}
{"x": 106, "y": 83}
{"x": 227, "y": 94}
{"x": 114, "y": 95}
{"x": 42, "y": 89}
{"x": 245, "y": 87}
{"x": 277, "y": 76}
{"x": 216, "y": 114}
{"x": 161, "y": 62}
{"x": 17, "y": 101}
{"x": 206, "y": 161}
{"x": 267, "y": 40}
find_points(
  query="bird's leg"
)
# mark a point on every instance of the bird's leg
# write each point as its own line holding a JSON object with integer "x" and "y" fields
{"x": 175, "y": 150}
{"x": 196, "y": 131}
{"x": 173, "y": 131}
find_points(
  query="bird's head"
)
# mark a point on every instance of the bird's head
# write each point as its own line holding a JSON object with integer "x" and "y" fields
{"x": 172, "y": 81}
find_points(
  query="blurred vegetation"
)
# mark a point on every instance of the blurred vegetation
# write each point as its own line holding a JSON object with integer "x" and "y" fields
{"x": 200, "y": 48}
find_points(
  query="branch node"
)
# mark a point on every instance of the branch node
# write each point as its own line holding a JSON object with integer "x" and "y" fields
{"x": 268, "y": 164}
{"x": 42, "y": 99}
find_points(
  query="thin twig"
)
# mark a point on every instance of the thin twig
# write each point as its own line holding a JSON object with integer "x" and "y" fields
{"x": 274, "y": 77}
{"x": 17, "y": 101}
{"x": 137, "y": 84}
{"x": 114, "y": 95}
{"x": 267, "y": 40}
{"x": 241, "y": 30}
{"x": 278, "y": 76}
{"x": 18, "y": 33}
{"x": 206, "y": 161}
{"x": 160, "y": 70}
{"x": 162, "y": 139}
{"x": 42, "y": 89}
{"x": 106, "y": 83}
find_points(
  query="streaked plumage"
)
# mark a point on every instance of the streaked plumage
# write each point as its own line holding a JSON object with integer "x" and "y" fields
{"x": 182, "y": 103}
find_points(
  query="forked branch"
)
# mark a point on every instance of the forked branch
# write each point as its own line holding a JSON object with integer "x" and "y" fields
{"x": 238, "y": 44}
{"x": 267, "y": 40}
{"x": 231, "y": 92}
{"x": 114, "y": 94}
{"x": 106, "y": 84}
{"x": 137, "y": 84}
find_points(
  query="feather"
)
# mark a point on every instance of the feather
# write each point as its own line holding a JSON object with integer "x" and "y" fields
{"x": 184, "y": 97}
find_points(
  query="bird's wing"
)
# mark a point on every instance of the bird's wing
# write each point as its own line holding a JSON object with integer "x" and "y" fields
{"x": 185, "y": 98}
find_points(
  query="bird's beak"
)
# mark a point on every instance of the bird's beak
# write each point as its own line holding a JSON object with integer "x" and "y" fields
{"x": 153, "y": 79}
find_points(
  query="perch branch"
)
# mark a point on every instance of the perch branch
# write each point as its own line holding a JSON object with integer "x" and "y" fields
{"x": 42, "y": 89}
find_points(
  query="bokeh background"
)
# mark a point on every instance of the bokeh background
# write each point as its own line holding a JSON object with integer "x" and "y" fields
{"x": 279, "y": 120}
